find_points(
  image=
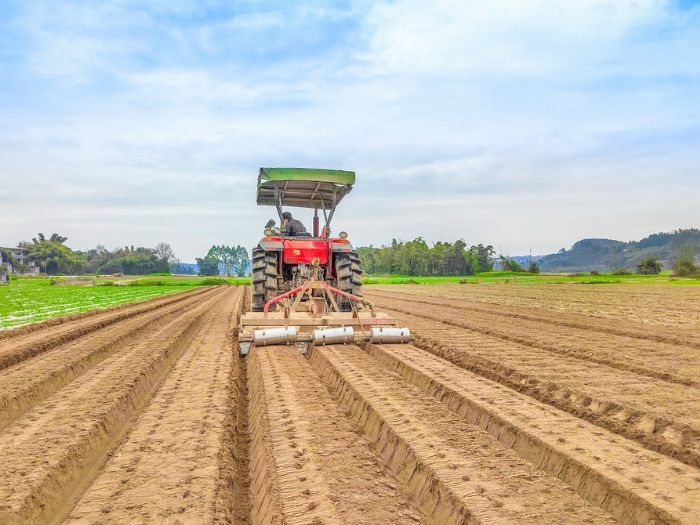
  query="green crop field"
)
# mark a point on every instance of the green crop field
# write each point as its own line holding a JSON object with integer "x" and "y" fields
{"x": 28, "y": 300}
{"x": 529, "y": 278}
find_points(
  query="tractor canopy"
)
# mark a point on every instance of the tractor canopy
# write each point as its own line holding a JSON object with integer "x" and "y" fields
{"x": 303, "y": 187}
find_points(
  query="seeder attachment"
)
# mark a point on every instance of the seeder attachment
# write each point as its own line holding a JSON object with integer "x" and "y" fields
{"x": 318, "y": 320}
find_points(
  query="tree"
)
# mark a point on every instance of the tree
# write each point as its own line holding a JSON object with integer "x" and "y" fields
{"x": 53, "y": 256}
{"x": 484, "y": 257}
{"x": 208, "y": 266}
{"x": 508, "y": 264}
{"x": 533, "y": 267}
{"x": 164, "y": 253}
{"x": 684, "y": 265}
{"x": 232, "y": 259}
{"x": 649, "y": 266}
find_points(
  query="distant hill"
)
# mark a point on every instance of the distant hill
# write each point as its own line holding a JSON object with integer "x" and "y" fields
{"x": 606, "y": 254}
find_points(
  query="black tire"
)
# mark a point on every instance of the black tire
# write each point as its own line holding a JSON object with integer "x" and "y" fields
{"x": 264, "y": 278}
{"x": 349, "y": 278}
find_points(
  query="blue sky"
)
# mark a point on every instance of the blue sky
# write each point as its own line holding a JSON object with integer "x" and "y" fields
{"x": 528, "y": 125}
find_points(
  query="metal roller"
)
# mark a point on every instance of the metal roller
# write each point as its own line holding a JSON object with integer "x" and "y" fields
{"x": 389, "y": 335}
{"x": 275, "y": 336}
{"x": 334, "y": 336}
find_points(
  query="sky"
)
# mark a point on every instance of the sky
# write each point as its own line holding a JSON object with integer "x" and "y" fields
{"x": 527, "y": 125}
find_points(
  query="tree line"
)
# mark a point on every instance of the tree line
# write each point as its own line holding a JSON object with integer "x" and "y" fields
{"x": 54, "y": 257}
{"x": 224, "y": 260}
{"x": 416, "y": 257}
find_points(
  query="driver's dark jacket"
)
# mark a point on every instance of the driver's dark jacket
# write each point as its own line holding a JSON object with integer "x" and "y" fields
{"x": 294, "y": 228}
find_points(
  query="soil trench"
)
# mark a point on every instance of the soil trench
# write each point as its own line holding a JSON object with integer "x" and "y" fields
{"x": 658, "y": 414}
{"x": 455, "y": 472}
{"x": 630, "y": 482}
{"x": 45, "y": 455}
{"x": 308, "y": 465}
{"x": 178, "y": 456}
{"x": 33, "y": 380}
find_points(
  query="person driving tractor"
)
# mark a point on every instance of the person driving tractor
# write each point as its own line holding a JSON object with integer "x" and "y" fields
{"x": 293, "y": 227}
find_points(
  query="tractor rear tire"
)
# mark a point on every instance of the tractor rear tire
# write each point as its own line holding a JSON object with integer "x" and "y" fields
{"x": 264, "y": 278}
{"x": 349, "y": 274}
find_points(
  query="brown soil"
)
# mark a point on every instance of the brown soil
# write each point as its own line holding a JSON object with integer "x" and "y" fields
{"x": 515, "y": 404}
{"x": 308, "y": 464}
{"x": 659, "y": 413}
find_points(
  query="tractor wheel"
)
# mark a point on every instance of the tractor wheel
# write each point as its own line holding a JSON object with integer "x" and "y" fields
{"x": 349, "y": 272}
{"x": 264, "y": 278}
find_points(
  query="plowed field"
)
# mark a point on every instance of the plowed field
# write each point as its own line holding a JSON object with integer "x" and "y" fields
{"x": 514, "y": 404}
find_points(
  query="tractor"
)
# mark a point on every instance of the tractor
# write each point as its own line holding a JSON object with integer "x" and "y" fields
{"x": 282, "y": 263}
{"x": 307, "y": 289}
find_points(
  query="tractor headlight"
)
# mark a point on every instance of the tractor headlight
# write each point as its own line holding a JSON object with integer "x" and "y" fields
{"x": 268, "y": 232}
{"x": 343, "y": 235}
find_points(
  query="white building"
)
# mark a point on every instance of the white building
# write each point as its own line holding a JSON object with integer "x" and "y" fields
{"x": 13, "y": 262}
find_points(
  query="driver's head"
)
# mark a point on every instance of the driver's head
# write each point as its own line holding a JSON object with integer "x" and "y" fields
{"x": 286, "y": 217}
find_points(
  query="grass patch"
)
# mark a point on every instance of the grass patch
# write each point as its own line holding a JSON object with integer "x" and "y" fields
{"x": 529, "y": 278}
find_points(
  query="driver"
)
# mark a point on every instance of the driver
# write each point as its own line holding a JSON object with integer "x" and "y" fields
{"x": 293, "y": 227}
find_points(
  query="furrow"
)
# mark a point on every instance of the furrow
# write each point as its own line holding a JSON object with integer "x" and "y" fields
{"x": 177, "y": 460}
{"x": 671, "y": 363}
{"x": 455, "y": 472}
{"x": 48, "y": 455}
{"x": 659, "y": 415}
{"x": 45, "y": 337}
{"x": 630, "y": 482}
{"x": 671, "y": 308}
{"x": 33, "y": 380}
{"x": 659, "y": 334}
{"x": 308, "y": 465}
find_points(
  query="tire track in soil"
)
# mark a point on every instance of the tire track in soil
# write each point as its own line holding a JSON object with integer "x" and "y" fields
{"x": 47, "y": 455}
{"x": 660, "y": 334}
{"x": 455, "y": 472}
{"x": 177, "y": 461}
{"x": 33, "y": 380}
{"x": 664, "y": 417}
{"x": 628, "y": 481}
{"x": 308, "y": 465}
{"x": 645, "y": 358}
{"x": 38, "y": 339}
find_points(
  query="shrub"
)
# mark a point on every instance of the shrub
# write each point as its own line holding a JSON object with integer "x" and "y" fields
{"x": 212, "y": 281}
{"x": 684, "y": 265}
{"x": 533, "y": 267}
{"x": 622, "y": 271}
{"x": 649, "y": 266}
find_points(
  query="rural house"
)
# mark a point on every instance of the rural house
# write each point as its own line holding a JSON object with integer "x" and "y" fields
{"x": 13, "y": 261}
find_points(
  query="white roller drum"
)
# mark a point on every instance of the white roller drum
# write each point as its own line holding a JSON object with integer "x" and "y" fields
{"x": 389, "y": 335}
{"x": 275, "y": 336}
{"x": 334, "y": 336}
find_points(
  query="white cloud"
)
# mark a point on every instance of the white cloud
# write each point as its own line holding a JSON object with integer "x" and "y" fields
{"x": 461, "y": 118}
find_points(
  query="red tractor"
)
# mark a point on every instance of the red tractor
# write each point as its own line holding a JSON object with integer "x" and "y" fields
{"x": 307, "y": 288}
{"x": 282, "y": 263}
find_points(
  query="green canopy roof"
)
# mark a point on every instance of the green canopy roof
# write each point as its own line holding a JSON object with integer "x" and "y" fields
{"x": 310, "y": 174}
{"x": 303, "y": 187}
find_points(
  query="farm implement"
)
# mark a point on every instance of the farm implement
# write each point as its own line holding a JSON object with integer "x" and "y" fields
{"x": 307, "y": 289}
